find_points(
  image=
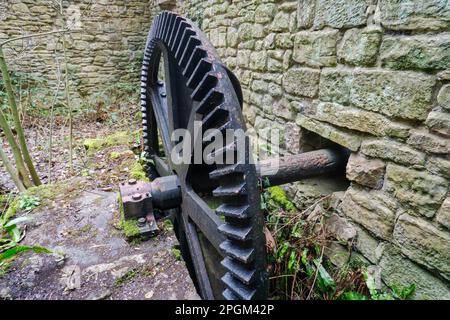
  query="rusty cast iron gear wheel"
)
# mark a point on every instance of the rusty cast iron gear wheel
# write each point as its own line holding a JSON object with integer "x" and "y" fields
{"x": 224, "y": 248}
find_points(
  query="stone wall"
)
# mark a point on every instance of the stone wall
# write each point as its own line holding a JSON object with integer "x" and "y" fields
{"x": 374, "y": 77}
{"x": 104, "y": 48}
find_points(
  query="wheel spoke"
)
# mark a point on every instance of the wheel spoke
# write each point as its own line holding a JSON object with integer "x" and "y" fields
{"x": 205, "y": 219}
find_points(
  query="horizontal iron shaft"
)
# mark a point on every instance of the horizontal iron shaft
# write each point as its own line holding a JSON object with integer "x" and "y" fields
{"x": 300, "y": 166}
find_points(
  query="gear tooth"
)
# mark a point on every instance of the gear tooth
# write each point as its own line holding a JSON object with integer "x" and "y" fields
{"x": 200, "y": 70}
{"x": 233, "y": 211}
{"x": 229, "y": 295}
{"x": 240, "y": 271}
{"x": 162, "y": 25}
{"x": 217, "y": 115}
{"x": 198, "y": 54}
{"x": 192, "y": 44}
{"x": 187, "y": 34}
{"x": 244, "y": 255}
{"x": 222, "y": 152}
{"x": 181, "y": 28}
{"x": 157, "y": 25}
{"x": 230, "y": 190}
{"x": 241, "y": 233}
{"x": 174, "y": 32}
{"x": 221, "y": 129}
{"x": 238, "y": 288}
{"x": 169, "y": 27}
{"x": 208, "y": 83}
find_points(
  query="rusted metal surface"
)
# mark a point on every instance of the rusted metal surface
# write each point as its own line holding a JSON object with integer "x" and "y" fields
{"x": 136, "y": 199}
{"x": 305, "y": 165}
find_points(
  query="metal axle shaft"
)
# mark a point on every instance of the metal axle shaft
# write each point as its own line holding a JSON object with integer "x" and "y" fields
{"x": 301, "y": 166}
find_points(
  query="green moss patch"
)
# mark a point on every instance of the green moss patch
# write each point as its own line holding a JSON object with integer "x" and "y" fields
{"x": 278, "y": 196}
{"x": 137, "y": 172}
{"x": 115, "y": 139}
{"x": 129, "y": 227}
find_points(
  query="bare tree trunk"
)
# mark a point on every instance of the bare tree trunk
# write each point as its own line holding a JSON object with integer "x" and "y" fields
{"x": 10, "y": 169}
{"x": 67, "y": 91}
{"x": 23, "y": 172}
{"x": 15, "y": 113}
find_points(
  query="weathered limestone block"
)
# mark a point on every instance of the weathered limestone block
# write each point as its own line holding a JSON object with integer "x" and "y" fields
{"x": 284, "y": 41}
{"x": 248, "y": 31}
{"x": 340, "y": 228}
{"x": 414, "y": 14}
{"x": 422, "y": 191}
{"x": 281, "y": 22}
{"x": 292, "y": 138}
{"x": 20, "y": 8}
{"x": 302, "y": 82}
{"x": 400, "y": 94}
{"x": 439, "y": 166}
{"x": 416, "y": 52}
{"x": 443, "y": 98}
{"x": 396, "y": 270}
{"x": 444, "y": 75}
{"x": 374, "y": 210}
{"x": 357, "y": 119}
{"x": 258, "y": 60}
{"x": 443, "y": 215}
{"x": 360, "y": 47}
{"x": 439, "y": 122}
{"x": 423, "y": 140}
{"x": 424, "y": 243}
{"x": 282, "y": 108}
{"x": 349, "y": 140}
{"x": 243, "y": 58}
{"x": 287, "y": 60}
{"x": 371, "y": 248}
{"x": 259, "y": 86}
{"x": 366, "y": 172}
{"x": 392, "y": 150}
{"x": 265, "y": 13}
{"x": 338, "y": 254}
{"x": 316, "y": 49}
{"x": 305, "y": 13}
{"x": 340, "y": 13}
{"x": 274, "y": 90}
{"x": 232, "y": 37}
{"x": 335, "y": 85}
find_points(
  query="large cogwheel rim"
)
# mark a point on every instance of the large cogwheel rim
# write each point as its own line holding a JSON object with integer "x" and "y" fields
{"x": 216, "y": 100}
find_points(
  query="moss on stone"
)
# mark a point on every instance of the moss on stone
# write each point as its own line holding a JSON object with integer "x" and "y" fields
{"x": 119, "y": 154}
{"x": 118, "y": 138}
{"x": 278, "y": 195}
{"x": 129, "y": 227}
{"x": 137, "y": 172}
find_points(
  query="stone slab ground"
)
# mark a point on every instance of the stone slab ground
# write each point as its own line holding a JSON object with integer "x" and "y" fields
{"x": 94, "y": 261}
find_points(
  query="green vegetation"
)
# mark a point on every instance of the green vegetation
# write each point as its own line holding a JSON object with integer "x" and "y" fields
{"x": 300, "y": 267}
{"x": 10, "y": 237}
{"x": 118, "y": 138}
{"x": 176, "y": 252}
{"x": 275, "y": 198}
{"x": 129, "y": 227}
{"x": 137, "y": 172}
{"x": 28, "y": 203}
{"x": 128, "y": 276}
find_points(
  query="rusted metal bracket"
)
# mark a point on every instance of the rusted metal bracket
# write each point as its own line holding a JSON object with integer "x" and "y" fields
{"x": 140, "y": 198}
